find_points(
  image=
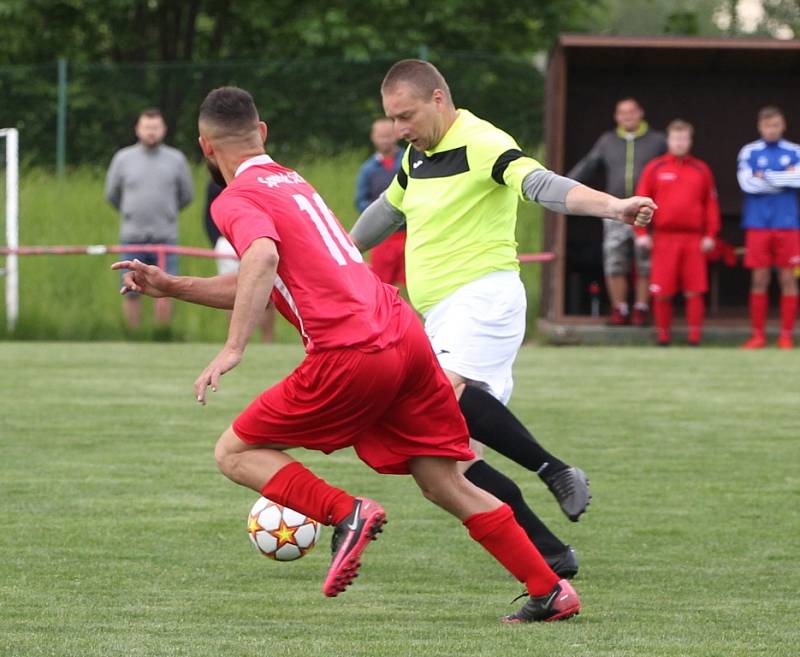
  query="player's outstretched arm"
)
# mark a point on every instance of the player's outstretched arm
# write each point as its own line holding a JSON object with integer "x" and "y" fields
{"x": 636, "y": 210}
{"x": 257, "y": 271}
{"x": 215, "y": 292}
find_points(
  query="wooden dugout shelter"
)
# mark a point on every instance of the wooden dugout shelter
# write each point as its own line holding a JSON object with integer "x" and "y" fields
{"x": 716, "y": 84}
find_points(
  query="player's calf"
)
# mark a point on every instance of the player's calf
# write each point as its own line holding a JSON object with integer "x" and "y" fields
{"x": 489, "y": 522}
{"x": 248, "y": 465}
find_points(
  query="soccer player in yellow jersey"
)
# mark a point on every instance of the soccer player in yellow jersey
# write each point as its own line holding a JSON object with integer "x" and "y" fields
{"x": 457, "y": 190}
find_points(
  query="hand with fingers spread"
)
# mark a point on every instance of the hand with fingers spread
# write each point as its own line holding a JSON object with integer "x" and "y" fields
{"x": 223, "y": 362}
{"x": 144, "y": 279}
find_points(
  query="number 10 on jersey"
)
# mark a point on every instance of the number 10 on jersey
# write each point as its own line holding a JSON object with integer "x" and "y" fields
{"x": 328, "y": 228}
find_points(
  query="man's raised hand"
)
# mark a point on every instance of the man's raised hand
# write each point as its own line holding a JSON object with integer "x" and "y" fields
{"x": 143, "y": 279}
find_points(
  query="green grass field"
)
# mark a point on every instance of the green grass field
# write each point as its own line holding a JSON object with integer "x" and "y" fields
{"x": 118, "y": 536}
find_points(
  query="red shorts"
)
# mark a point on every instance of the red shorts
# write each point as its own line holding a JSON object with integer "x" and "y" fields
{"x": 765, "y": 247}
{"x": 390, "y": 405}
{"x": 679, "y": 265}
{"x": 388, "y": 259}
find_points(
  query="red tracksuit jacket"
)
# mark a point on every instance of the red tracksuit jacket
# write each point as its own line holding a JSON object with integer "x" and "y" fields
{"x": 686, "y": 195}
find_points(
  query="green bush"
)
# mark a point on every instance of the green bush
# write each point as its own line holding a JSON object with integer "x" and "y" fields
{"x": 76, "y": 297}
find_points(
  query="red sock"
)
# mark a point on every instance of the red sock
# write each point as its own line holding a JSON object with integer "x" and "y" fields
{"x": 498, "y": 532}
{"x": 695, "y": 313}
{"x": 662, "y": 314}
{"x": 297, "y": 487}
{"x": 758, "y": 311}
{"x": 788, "y": 314}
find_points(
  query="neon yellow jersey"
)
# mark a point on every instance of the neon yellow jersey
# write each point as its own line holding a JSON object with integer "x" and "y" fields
{"x": 460, "y": 202}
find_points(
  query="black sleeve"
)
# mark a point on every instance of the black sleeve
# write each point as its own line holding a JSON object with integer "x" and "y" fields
{"x": 501, "y": 164}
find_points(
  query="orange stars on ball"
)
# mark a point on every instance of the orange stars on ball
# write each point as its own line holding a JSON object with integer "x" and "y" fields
{"x": 284, "y": 534}
{"x": 252, "y": 525}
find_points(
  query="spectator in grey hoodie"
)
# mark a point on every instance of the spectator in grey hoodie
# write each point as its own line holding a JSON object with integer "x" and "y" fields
{"x": 149, "y": 183}
{"x": 621, "y": 155}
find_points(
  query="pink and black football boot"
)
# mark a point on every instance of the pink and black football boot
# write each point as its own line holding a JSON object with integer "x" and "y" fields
{"x": 561, "y": 603}
{"x": 350, "y": 538}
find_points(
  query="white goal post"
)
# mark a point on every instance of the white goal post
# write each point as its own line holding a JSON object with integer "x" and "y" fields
{"x": 11, "y": 270}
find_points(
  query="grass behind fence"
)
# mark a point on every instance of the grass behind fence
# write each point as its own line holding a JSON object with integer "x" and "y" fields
{"x": 76, "y": 297}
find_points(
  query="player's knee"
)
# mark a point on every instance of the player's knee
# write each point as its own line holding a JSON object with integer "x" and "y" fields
{"x": 429, "y": 493}
{"x": 432, "y": 488}
{"x": 788, "y": 281}
{"x": 226, "y": 454}
{"x": 759, "y": 281}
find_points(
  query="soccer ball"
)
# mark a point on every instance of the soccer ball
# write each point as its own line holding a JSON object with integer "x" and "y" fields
{"x": 281, "y": 533}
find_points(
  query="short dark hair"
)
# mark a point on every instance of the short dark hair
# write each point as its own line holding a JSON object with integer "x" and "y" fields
{"x": 679, "y": 125}
{"x": 150, "y": 113}
{"x": 423, "y": 76}
{"x": 770, "y": 112}
{"x": 231, "y": 109}
{"x": 628, "y": 99}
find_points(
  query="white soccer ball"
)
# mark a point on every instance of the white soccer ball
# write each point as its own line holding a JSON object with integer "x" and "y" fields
{"x": 281, "y": 533}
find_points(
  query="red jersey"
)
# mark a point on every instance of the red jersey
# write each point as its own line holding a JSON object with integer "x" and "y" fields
{"x": 323, "y": 286}
{"x": 686, "y": 195}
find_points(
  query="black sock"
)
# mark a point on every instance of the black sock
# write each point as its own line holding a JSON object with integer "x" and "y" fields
{"x": 492, "y": 424}
{"x": 486, "y": 477}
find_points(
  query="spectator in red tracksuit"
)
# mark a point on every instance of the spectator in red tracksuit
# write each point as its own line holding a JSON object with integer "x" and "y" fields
{"x": 684, "y": 229}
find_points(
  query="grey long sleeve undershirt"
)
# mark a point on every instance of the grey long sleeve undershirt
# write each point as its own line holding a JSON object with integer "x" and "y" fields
{"x": 380, "y": 219}
{"x": 548, "y": 189}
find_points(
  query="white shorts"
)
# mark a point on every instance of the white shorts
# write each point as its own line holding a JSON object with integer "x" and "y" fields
{"x": 477, "y": 331}
{"x": 226, "y": 265}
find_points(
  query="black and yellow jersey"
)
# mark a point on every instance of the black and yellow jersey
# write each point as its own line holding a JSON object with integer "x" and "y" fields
{"x": 460, "y": 203}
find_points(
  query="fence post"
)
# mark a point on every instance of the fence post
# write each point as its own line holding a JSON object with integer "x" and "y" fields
{"x": 61, "y": 125}
{"x": 12, "y": 226}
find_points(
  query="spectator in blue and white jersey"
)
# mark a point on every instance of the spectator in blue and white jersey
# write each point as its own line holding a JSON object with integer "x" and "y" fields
{"x": 769, "y": 176}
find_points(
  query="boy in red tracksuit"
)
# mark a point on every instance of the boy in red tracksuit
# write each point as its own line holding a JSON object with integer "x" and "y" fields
{"x": 684, "y": 229}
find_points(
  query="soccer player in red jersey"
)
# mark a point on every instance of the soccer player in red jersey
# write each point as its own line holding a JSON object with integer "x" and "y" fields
{"x": 370, "y": 379}
{"x": 684, "y": 229}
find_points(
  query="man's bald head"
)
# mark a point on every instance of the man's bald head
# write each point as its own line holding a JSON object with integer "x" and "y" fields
{"x": 229, "y": 114}
{"x": 423, "y": 77}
